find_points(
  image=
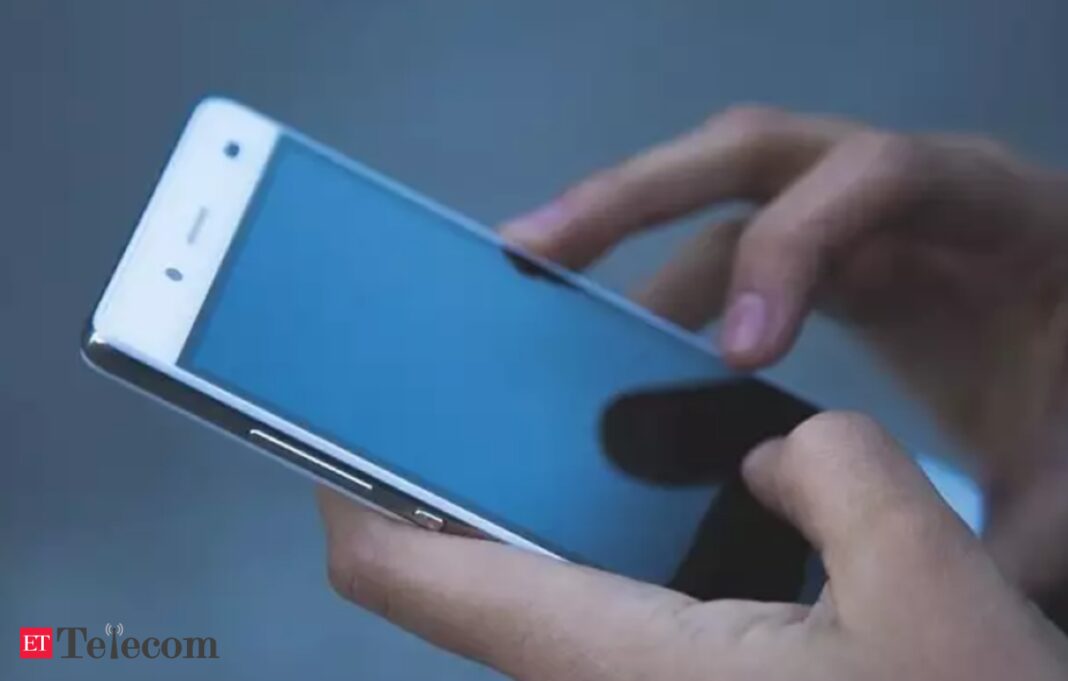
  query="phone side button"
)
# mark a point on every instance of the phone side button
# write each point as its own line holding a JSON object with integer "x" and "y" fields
{"x": 428, "y": 520}
{"x": 316, "y": 462}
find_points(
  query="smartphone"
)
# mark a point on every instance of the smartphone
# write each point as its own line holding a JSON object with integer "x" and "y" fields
{"x": 400, "y": 352}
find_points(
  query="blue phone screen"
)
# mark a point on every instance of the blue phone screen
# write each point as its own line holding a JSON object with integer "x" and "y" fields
{"x": 384, "y": 326}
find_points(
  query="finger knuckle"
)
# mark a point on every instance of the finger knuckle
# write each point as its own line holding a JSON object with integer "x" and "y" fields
{"x": 895, "y": 150}
{"x": 748, "y": 121}
{"x": 786, "y": 251}
{"x": 900, "y": 526}
{"x": 918, "y": 537}
{"x": 353, "y": 567}
{"x": 600, "y": 182}
{"x": 617, "y": 199}
{"x": 781, "y": 241}
{"x": 341, "y": 571}
{"x": 341, "y": 576}
{"x": 982, "y": 145}
{"x": 832, "y": 427}
{"x": 899, "y": 161}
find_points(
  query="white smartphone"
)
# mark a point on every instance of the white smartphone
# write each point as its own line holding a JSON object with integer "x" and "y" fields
{"x": 399, "y": 352}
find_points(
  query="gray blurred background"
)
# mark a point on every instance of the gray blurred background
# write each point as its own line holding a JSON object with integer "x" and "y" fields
{"x": 113, "y": 509}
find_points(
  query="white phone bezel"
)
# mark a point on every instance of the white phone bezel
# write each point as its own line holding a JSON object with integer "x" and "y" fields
{"x": 148, "y": 317}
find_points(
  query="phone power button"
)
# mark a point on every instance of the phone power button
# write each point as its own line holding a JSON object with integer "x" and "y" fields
{"x": 428, "y": 520}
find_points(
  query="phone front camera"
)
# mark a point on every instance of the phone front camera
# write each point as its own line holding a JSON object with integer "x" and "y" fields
{"x": 232, "y": 149}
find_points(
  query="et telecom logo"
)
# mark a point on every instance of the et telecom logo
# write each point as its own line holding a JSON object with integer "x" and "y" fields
{"x": 35, "y": 642}
{"x": 75, "y": 643}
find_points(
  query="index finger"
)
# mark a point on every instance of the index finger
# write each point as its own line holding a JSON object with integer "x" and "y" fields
{"x": 745, "y": 153}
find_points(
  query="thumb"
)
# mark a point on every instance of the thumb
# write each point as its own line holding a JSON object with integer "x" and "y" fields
{"x": 879, "y": 525}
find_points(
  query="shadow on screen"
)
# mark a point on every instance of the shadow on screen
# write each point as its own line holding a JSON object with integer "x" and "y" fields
{"x": 533, "y": 269}
{"x": 698, "y": 435}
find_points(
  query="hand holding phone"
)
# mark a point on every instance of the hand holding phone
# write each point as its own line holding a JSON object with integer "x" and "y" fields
{"x": 901, "y": 602}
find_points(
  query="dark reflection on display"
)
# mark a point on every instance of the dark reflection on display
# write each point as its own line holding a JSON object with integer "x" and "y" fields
{"x": 699, "y": 434}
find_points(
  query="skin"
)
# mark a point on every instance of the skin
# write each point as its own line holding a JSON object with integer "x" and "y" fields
{"x": 944, "y": 253}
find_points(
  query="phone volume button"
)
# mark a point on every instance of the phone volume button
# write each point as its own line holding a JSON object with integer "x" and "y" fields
{"x": 262, "y": 436}
{"x": 428, "y": 520}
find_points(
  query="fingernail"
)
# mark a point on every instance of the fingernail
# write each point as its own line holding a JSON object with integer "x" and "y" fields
{"x": 745, "y": 324}
{"x": 538, "y": 222}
